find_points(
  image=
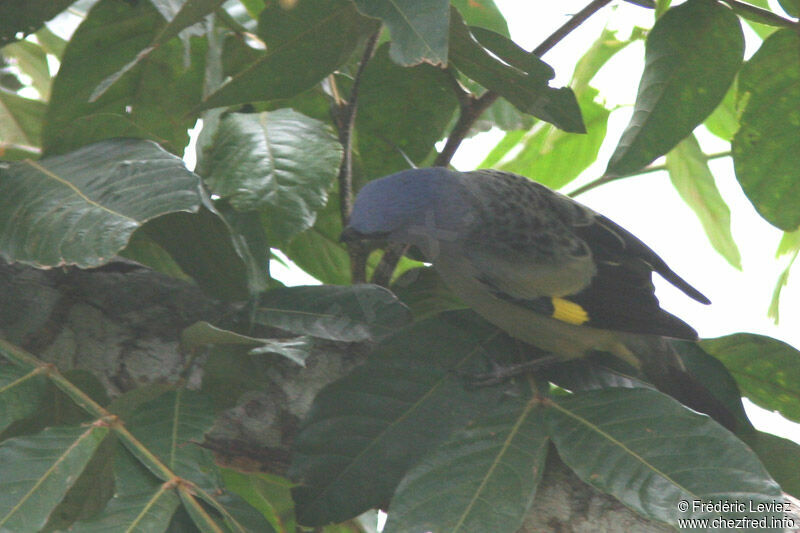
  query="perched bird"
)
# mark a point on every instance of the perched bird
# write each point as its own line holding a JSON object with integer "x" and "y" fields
{"x": 539, "y": 265}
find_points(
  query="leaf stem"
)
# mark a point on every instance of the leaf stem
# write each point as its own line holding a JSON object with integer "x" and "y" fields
{"x": 345, "y": 118}
{"x": 602, "y": 180}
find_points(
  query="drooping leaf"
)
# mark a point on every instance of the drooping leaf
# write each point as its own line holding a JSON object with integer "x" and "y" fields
{"x": 688, "y": 170}
{"x": 418, "y": 28}
{"x": 318, "y": 34}
{"x": 280, "y": 163}
{"x": 483, "y": 14}
{"x": 27, "y": 16}
{"x": 151, "y": 100}
{"x": 766, "y": 149}
{"x": 20, "y": 123}
{"x": 767, "y": 370}
{"x": 81, "y": 208}
{"x": 650, "y": 452}
{"x": 780, "y": 456}
{"x": 691, "y": 58}
{"x": 789, "y": 245}
{"x": 20, "y": 393}
{"x": 482, "y": 478}
{"x": 202, "y": 333}
{"x": 402, "y": 112}
{"x": 527, "y": 89}
{"x": 38, "y": 470}
{"x": 387, "y": 413}
{"x": 350, "y": 314}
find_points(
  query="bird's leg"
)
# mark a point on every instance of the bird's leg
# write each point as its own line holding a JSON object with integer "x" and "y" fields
{"x": 499, "y": 373}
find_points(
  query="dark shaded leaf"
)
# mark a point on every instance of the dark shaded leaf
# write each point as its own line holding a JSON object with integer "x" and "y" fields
{"x": 767, "y": 370}
{"x": 482, "y": 478}
{"x": 401, "y": 111}
{"x": 270, "y": 494}
{"x": 528, "y": 90}
{"x": 792, "y": 7}
{"x": 38, "y": 470}
{"x": 20, "y": 393}
{"x": 27, "y": 16}
{"x": 424, "y": 292}
{"x": 280, "y": 163}
{"x": 318, "y": 34}
{"x": 688, "y": 170}
{"x": 766, "y": 149}
{"x": 780, "y": 456}
{"x": 418, "y": 28}
{"x": 353, "y": 313}
{"x": 151, "y": 100}
{"x": 387, "y": 413}
{"x": 202, "y": 333}
{"x": 483, "y": 14}
{"x": 81, "y": 208}
{"x": 650, "y": 452}
{"x": 691, "y": 58}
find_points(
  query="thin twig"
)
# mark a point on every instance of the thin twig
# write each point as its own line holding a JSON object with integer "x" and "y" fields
{"x": 764, "y": 14}
{"x": 345, "y": 117}
{"x": 602, "y": 180}
{"x": 576, "y": 20}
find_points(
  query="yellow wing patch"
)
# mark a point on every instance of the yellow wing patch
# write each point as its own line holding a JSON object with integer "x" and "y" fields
{"x": 569, "y": 312}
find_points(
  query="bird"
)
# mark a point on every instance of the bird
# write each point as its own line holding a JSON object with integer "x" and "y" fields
{"x": 539, "y": 265}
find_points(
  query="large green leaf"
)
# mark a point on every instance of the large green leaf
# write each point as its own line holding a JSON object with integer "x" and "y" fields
{"x": 27, "y": 16}
{"x": 20, "y": 122}
{"x": 691, "y": 58}
{"x": 281, "y": 163}
{"x": 688, "y": 170}
{"x": 270, "y": 494}
{"x": 651, "y": 453}
{"x": 388, "y": 412}
{"x": 767, "y": 370}
{"x": 483, "y": 14}
{"x": 320, "y": 35}
{"x": 20, "y": 393}
{"x": 31, "y": 59}
{"x": 38, "y": 470}
{"x": 780, "y": 456}
{"x": 418, "y": 28}
{"x": 151, "y": 100}
{"x": 766, "y": 149}
{"x": 172, "y": 426}
{"x": 402, "y": 112}
{"x": 350, "y": 314}
{"x": 482, "y": 478}
{"x": 519, "y": 77}
{"x": 81, "y": 208}
{"x": 724, "y": 120}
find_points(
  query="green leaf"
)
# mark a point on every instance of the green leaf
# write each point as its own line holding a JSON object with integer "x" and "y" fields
{"x": 483, "y": 14}
{"x": 270, "y": 494}
{"x": 171, "y": 426}
{"x": 202, "y": 333}
{"x": 724, "y": 121}
{"x": 38, "y": 470}
{"x": 418, "y": 28}
{"x": 27, "y": 16}
{"x": 349, "y": 314}
{"x": 141, "y": 502}
{"x": 688, "y": 170}
{"x": 780, "y": 456}
{"x": 20, "y": 393}
{"x": 387, "y": 413}
{"x": 691, "y": 58}
{"x": 509, "y": 141}
{"x": 402, "y": 112}
{"x": 151, "y": 100}
{"x": 602, "y": 49}
{"x": 792, "y": 7}
{"x": 281, "y": 163}
{"x": 766, "y": 149}
{"x": 318, "y": 34}
{"x": 81, "y": 208}
{"x": 31, "y": 59}
{"x": 767, "y": 370}
{"x": 20, "y": 122}
{"x": 789, "y": 245}
{"x": 554, "y": 157}
{"x": 424, "y": 292}
{"x": 483, "y": 478}
{"x": 528, "y": 89}
{"x": 650, "y": 452}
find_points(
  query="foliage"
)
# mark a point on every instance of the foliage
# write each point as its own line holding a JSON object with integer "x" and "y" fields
{"x": 299, "y": 103}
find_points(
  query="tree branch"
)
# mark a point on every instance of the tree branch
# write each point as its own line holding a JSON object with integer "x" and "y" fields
{"x": 345, "y": 118}
{"x": 602, "y": 180}
{"x": 773, "y": 18}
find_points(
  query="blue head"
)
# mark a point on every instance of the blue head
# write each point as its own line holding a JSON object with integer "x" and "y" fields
{"x": 393, "y": 203}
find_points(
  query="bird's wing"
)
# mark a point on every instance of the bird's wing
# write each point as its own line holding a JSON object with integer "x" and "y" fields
{"x": 601, "y": 278}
